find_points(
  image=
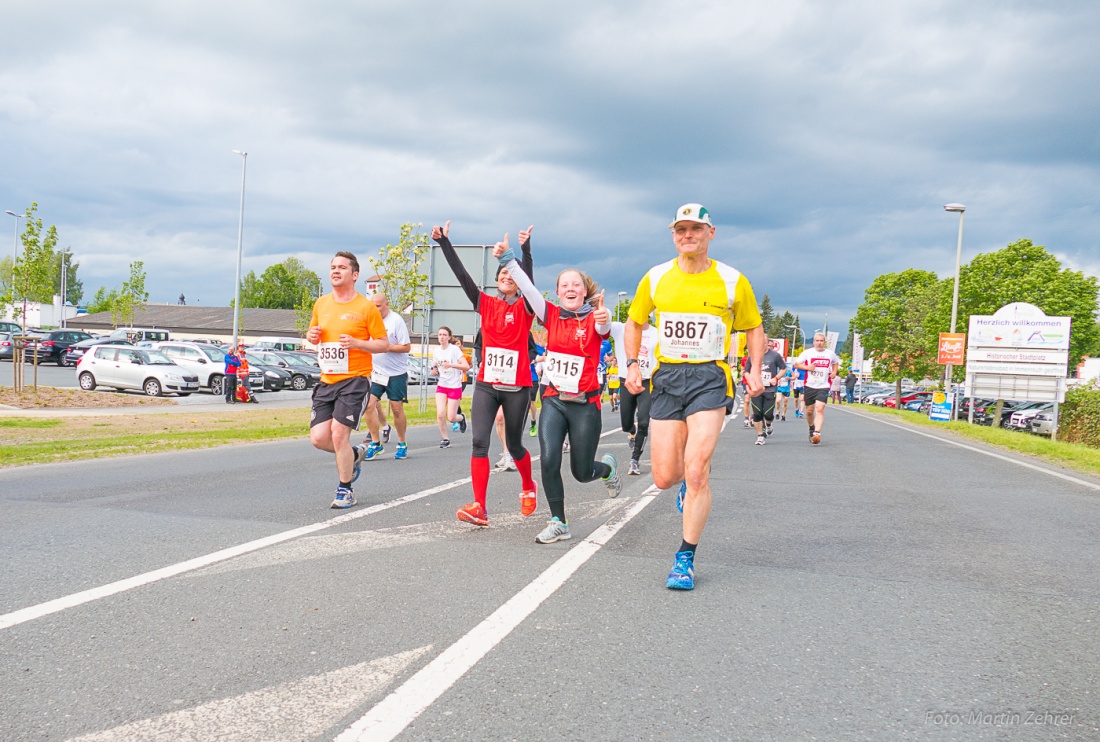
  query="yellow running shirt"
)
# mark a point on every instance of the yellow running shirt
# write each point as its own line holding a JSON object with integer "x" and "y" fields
{"x": 696, "y": 312}
{"x": 358, "y": 318}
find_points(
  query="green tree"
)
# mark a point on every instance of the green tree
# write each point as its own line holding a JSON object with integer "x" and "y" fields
{"x": 897, "y": 321}
{"x": 767, "y": 315}
{"x": 103, "y": 301}
{"x": 399, "y": 268}
{"x": 74, "y": 288}
{"x": 280, "y": 286}
{"x": 1026, "y": 272}
{"x": 33, "y": 274}
{"x": 132, "y": 296}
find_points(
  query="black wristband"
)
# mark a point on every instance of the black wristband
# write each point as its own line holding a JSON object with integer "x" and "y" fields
{"x": 630, "y": 361}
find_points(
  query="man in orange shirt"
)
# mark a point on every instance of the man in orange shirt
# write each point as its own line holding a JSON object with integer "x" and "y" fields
{"x": 347, "y": 328}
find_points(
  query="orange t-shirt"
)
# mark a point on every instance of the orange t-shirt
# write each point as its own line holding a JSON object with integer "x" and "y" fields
{"x": 358, "y": 318}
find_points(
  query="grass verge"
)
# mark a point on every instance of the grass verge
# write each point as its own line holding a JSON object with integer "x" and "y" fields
{"x": 26, "y": 440}
{"x": 1070, "y": 455}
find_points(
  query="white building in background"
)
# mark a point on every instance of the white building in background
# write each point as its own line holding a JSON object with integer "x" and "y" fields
{"x": 40, "y": 314}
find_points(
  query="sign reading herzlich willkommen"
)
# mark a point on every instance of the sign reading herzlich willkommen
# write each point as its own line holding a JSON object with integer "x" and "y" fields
{"x": 952, "y": 348}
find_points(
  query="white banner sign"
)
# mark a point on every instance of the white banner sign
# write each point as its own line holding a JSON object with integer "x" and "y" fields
{"x": 1016, "y": 369}
{"x": 857, "y": 351}
{"x": 1020, "y": 326}
{"x": 1019, "y": 356}
{"x": 832, "y": 339}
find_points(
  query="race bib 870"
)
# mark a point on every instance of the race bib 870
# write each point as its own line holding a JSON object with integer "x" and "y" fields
{"x": 332, "y": 358}
{"x": 692, "y": 337}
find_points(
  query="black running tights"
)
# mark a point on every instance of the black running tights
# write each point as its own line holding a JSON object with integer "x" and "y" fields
{"x": 628, "y": 404}
{"x": 483, "y": 413}
{"x": 581, "y": 422}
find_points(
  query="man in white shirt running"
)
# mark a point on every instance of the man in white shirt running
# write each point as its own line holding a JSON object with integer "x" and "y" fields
{"x": 820, "y": 365}
{"x": 390, "y": 376}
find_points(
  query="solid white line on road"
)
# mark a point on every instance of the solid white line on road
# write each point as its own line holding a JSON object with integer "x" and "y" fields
{"x": 301, "y": 709}
{"x": 399, "y": 709}
{"x": 70, "y": 601}
{"x": 86, "y": 596}
{"x": 1009, "y": 459}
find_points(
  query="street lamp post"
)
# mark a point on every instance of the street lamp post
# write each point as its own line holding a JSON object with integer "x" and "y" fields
{"x": 15, "y": 242}
{"x": 961, "y": 209}
{"x": 796, "y": 327}
{"x": 240, "y": 252}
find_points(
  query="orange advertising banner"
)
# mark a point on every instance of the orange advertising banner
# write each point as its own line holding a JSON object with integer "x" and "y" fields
{"x": 952, "y": 348}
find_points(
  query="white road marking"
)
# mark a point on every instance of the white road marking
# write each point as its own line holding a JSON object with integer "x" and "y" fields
{"x": 86, "y": 596}
{"x": 300, "y": 709}
{"x": 1009, "y": 459}
{"x": 395, "y": 712}
{"x": 329, "y": 546}
{"x": 96, "y": 593}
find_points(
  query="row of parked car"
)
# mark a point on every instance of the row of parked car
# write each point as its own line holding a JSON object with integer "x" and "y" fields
{"x": 1034, "y": 417}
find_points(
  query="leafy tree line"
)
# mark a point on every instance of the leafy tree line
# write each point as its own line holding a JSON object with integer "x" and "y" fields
{"x": 123, "y": 302}
{"x": 35, "y": 272}
{"x": 903, "y": 313}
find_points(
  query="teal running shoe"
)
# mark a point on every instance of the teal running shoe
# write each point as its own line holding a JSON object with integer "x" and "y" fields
{"x": 682, "y": 576}
{"x": 681, "y": 494}
{"x": 402, "y": 452}
{"x": 613, "y": 481}
{"x": 373, "y": 450}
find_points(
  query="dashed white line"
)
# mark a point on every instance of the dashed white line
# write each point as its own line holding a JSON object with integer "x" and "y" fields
{"x": 395, "y": 712}
{"x": 70, "y": 601}
{"x": 30, "y": 613}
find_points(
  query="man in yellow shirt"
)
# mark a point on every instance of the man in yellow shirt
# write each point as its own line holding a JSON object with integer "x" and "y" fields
{"x": 347, "y": 328}
{"x": 698, "y": 302}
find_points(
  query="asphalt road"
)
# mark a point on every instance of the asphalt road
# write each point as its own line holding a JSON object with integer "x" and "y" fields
{"x": 883, "y": 585}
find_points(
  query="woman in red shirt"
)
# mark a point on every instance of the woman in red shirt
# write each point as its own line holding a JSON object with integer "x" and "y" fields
{"x": 503, "y": 376}
{"x": 575, "y": 329}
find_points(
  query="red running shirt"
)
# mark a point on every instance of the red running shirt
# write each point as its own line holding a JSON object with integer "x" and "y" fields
{"x": 504, "y": 327}
{"x": 575, "y": 337}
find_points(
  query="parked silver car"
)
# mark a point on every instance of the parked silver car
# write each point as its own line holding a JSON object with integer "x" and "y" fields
{"x": 205, "y": 361}
{"x": 126, "y": 367}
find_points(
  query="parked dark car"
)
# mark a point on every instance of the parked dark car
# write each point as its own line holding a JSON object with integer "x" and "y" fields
{"x": 76, "y": 351}
{"x": 54, "y": 343}
{"x": 303, "y": 375}
{"x": 906, "y": 398}
{"x": 275, "y": 378}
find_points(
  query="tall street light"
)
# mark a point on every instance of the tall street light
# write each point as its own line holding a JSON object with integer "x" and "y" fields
{"x": 15, "y": 245}
{"x": 796, "y": 327}
{"x": 240, "y": 252}
{"x": 961, "y": 209}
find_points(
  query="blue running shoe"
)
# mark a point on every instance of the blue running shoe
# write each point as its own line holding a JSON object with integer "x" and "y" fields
{"x": 454, "y": 427}
{"x": 360, "y": 454}
{"x": 344, "y": 498}
{"x": 681, "y": 494}
{"x": 682, "y": 576}
{"x": 373, "y": 450}
{"x": 402, "y": 452}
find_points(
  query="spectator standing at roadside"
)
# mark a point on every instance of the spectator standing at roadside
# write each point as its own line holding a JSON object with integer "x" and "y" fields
{"x": 850, "y": 386}
{"x": 232, "y": 365}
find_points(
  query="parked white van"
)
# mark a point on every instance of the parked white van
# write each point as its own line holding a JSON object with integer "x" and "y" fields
{"x": 136, "y": 334}
{"x": 282, "y": 343}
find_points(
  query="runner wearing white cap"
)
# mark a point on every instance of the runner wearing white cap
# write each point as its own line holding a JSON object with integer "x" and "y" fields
{"x": 699, "y": 302}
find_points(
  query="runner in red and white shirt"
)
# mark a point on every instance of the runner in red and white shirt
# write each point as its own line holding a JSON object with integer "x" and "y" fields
{"x": 575, "y": 331}
{"x": 503, "y": 375}
{"x": 820, "y": 365}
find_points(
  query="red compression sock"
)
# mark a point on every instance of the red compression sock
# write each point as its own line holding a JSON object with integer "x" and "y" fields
{"x": 523, "y": 466}
{"x": 479, "y": 470}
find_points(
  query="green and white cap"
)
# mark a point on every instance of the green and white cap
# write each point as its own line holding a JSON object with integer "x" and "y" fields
{"x": 692, "y": 213}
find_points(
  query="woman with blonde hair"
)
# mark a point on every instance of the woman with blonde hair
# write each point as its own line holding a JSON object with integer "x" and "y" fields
{"x": 575, "y": 331}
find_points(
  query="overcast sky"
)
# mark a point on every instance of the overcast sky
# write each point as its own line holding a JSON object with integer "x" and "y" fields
{"x": 825, "y": 138}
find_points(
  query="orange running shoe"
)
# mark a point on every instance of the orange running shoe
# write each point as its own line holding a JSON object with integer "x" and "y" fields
{"x": 529, "y": 501}
{"x": 815, "y": 438}
{"x": 472, "y": 512}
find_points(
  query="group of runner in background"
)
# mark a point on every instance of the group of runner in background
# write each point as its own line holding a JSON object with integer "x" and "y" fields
{"x": 666, "y": 370}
